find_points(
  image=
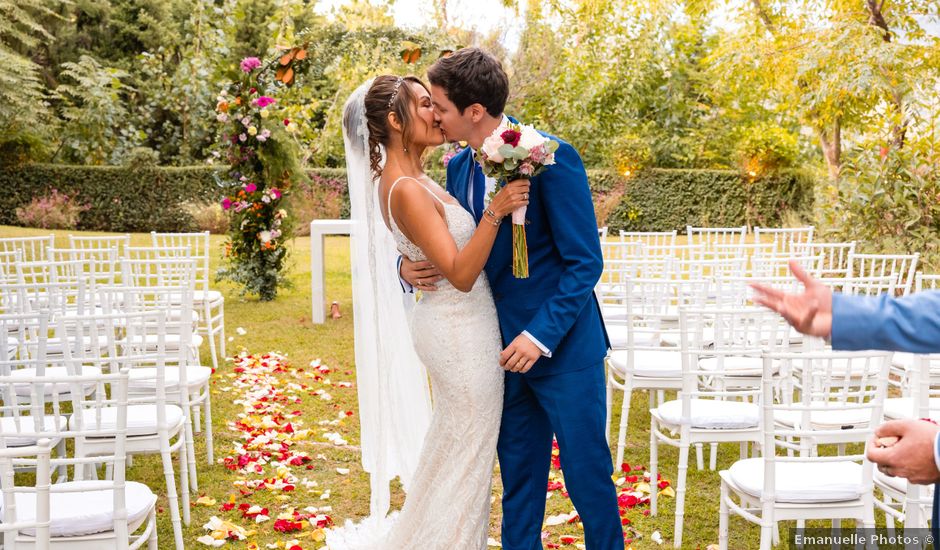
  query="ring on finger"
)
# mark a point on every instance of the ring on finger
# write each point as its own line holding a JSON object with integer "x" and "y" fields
{"x": 525, "y": 196}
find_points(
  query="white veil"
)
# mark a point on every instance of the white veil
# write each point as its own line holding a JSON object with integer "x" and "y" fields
{"x": 394, "y": 398}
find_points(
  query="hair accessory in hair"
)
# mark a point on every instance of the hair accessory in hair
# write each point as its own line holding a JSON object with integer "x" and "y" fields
{"x": 395, "y": 92}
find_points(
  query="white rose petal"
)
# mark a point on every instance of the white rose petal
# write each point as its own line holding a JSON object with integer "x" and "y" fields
{"x": 240, "y": 331}
{"x": 656, "y": 537}
{"x": 342, "y": 471}
{"x": 209, "y": 541}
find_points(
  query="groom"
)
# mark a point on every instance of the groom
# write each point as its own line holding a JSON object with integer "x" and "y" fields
{"x": 554, "y": 338}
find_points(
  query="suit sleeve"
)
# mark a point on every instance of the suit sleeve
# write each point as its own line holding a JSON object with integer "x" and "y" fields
{"x": 569, "y": 208}
{"x": 910, "y": 324}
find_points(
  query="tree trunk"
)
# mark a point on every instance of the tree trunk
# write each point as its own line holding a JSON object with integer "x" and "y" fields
{"x": 831, "y": 141}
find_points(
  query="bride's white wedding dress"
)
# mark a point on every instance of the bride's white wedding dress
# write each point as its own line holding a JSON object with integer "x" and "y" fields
{"x": 456, "y": 335}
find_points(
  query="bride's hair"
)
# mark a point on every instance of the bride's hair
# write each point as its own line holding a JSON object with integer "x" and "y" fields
{"x": 389, "y": 93}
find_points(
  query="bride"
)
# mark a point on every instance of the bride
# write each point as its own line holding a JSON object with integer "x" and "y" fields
{"x": 455, "y": 330}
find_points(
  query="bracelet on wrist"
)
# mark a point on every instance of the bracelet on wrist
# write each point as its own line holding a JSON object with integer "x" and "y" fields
{"x": 496, "y": 219}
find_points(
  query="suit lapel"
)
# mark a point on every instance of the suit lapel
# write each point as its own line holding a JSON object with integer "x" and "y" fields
{"x": 462, "y": 174}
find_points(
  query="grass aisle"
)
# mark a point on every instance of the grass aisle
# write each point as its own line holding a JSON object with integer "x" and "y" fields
{"x": 333, "y": 481}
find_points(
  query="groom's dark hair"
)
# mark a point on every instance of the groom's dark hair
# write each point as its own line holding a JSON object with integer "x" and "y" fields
{"x": 469, "y": 76}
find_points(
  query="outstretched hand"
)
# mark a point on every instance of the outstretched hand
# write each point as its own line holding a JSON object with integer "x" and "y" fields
{"x": 809, "y": 313}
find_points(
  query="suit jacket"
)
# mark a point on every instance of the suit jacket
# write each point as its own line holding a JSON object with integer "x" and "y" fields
{"x": 910, "y": 324}
{"x": 556, "y": 304}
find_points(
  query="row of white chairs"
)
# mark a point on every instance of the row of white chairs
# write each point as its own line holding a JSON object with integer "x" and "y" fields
{"x": 104, "y": 254}
{"x": 92, "y": 331}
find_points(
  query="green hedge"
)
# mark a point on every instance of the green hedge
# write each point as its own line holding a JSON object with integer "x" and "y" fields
{"x": 150, "y": 198}
{"x": 662, "y": 200}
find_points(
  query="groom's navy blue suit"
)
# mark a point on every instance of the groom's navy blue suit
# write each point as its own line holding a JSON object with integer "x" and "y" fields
{"x": 564, "y": 393}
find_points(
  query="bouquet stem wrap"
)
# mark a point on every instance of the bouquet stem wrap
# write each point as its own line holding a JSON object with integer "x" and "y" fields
{"x": 520, "y": 251}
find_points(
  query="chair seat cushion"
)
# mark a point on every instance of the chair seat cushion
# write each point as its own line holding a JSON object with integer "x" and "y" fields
{"x": 141, "y": 419}
{"x": 649, "y": 363}
{"x": 9, "y": 426}
{"x": 146, "y": 377}
{"x": 903, "y": 407}
{"x": 85, "y": 512}
{"x": 711, "y": 414}
{"x": 801, "y": 482}
{"x": 212, "y": 296}
{"x": 899, "y": 484}
{"x": 58, "y": 388}
{"x": 833, "y": 418}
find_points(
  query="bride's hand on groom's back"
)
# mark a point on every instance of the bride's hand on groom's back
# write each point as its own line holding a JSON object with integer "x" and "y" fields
{"x": 421, "y": 275}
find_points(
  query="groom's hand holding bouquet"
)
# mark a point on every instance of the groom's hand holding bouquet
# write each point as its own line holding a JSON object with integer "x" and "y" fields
{"x": 512, "y": 152}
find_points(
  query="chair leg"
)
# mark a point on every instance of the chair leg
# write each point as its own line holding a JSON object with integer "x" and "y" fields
{"x": 211, "y": 338}
{"x": 190, "y": 455}
{"x": 195, "y": 414}
{"x": 723, "y": 517}
{"x": 152, "y": 543}
{"x": 210, "y": 444}
{"x": 654, "y": 468}
{"x": 222, "y": 328}
{"x": 171, "y": 496}
{"x": 624, "y": 416}
{"x": 699, "y": 459}
{"x": 680, "y": 489}
{"x": 713, "y": 459}
{"x": 184, "y": 481}
{"x": 767, "y": 526}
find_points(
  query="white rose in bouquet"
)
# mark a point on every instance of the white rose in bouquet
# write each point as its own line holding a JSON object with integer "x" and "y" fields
{"x": 491, "y": 147}
{"x": 530, "y": 138}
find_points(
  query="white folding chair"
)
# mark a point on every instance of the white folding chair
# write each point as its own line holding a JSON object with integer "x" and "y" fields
{"x": 25, "y": 508}
{"x": 806, "y": 483}
{"x": 785, "y": 240}
{"x": 210, "y": 304}
{"x": 707, "y": 410}
{"x": 639, "y": 361}
{"x": 86, "y": 514}
{"x": 602, "y": 232}
{"x": 924, "y": 281}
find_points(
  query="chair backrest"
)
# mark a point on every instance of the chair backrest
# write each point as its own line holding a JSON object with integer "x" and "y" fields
{"x": 830, "y": 397}
{"x": 924, "y": 281}
{"x": 602, "y": 232}
{"x": 835, "y": 256}
{"x": 681, "y": 252}
{"x": 101, "y": 243}
{"x": 712, "y": 268}
{"x": 779, "y": 265}
{"x": 712, "y": 236}
{"x": 785, "y": 240}
{"x": 159, "y": 272}
{"x": 900, "y": 266}
{"x": 621, "y": 250}
{"x": 650, "y": 238}
{"x": 197, "y": 245}
{"x": 102, "y": 264}
{"x": 23, "y": 336}
{"x": 32, "y": 248}
{"x": 866, "y": 286}
{"x": 8, "y": 259}
{"x": 18, "y": 517}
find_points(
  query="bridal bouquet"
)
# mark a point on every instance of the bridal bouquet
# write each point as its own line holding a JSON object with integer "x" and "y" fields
{"x": 517, "y": 151}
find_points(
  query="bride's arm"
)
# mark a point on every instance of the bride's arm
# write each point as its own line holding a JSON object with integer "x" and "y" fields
{"x": 417, "y": 217}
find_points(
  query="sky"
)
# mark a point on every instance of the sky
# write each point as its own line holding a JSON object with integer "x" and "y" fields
{"x": 483, "y": 15}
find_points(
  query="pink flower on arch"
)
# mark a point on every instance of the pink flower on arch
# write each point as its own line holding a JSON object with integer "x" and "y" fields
{"x": 226, "y": 203}
{"x": 249, "y": 64}
{"x": 276, "y": 193}
{"x": 263, "y": 101}
{"x": 251, "y": 188}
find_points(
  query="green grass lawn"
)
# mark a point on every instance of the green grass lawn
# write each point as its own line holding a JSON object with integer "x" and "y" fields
{"x": 284, "y": 325}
